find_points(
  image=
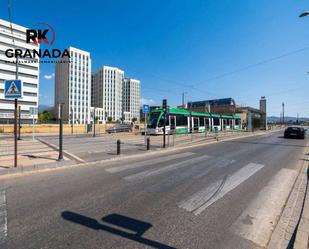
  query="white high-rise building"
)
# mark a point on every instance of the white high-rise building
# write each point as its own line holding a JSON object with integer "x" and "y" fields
{"x": 73, "y": 86}
{"x": 131, "y": 99}
{"x": 107, "y": 91}
{"x": 28, "y": 72}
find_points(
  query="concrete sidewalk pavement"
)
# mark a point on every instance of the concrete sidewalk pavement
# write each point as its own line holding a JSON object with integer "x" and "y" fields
{"x": 31, "y": 154}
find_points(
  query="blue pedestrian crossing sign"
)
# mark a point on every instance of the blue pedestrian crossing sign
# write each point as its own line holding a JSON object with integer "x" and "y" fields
{"x": 146, "y": 109}
{"x": 12, "y": 89}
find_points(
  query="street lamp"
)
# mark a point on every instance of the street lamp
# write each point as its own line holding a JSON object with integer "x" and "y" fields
{"x": 306, "y": 13}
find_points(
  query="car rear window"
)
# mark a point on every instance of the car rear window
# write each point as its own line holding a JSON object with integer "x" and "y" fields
{"x": 293, "y": 129}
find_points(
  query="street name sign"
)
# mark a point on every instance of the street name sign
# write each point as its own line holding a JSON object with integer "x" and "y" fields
{"x": 146, "y": 108}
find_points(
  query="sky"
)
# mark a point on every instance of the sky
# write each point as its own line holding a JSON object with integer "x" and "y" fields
{"x": 208, "y": 49}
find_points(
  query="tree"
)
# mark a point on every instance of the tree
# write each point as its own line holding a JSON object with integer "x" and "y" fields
{"x": 134, "y": 120}
{"x": 109, "y": 119}
{"x": 45, "y": 116}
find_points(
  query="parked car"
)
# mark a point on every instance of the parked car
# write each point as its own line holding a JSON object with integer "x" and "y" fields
{"x": 295, "y": 132}
{"x": 120, "y": 128}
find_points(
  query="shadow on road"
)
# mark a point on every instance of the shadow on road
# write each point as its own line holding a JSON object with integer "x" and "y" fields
{"x": 41, "y": 157}
{"x": 137, "y": 227}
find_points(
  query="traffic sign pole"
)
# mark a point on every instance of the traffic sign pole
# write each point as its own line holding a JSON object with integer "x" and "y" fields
{"x": 94, "y": 122}
{"x": 60, "y": 157}
{"x": 13, "y": 90}
{"x": 33, "y": 127}
{"x": 15, "y": 133}
{"x": 164, "y": 105}
{"x": 146, "y": 109}
{"x": 19, "y": 122}
{"x": 145, "y": 130}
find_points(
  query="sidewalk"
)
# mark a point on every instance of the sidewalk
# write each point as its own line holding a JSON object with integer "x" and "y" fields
{"x": 31, "y": 154}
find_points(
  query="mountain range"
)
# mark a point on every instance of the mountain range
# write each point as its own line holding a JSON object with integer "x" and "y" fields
{"x": 287, "y": 118}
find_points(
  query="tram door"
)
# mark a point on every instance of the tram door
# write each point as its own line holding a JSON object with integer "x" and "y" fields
{"x": 172, "y": 120}
{"x": 224, "y": 124}
{"x": 195, "y": 124}
{"x": 231, "y": 124}
{"x": 206, "y": 122}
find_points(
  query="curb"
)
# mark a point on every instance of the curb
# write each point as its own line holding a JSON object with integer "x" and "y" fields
{"x": 302, "y": 232}
{"x": 283, "y": 235}
{"x": 18, "y": 173}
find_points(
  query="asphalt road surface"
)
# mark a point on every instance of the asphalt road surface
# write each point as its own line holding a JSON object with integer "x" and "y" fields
{"x": 224, "y": 195}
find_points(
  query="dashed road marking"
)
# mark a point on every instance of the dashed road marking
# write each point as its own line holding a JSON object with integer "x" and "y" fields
{"x": 206, "y": 197}
{"x": 3, "y": 219}
{"x": 154, "y": 172}
{"x": 259, "y": 219}
{"x": 148, "y": 162}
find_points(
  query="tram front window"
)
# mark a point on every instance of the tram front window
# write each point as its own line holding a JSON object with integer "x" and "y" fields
{"x": 153, "y": 120}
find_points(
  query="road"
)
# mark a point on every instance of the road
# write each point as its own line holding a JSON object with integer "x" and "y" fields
{"x": 224, "y": 195}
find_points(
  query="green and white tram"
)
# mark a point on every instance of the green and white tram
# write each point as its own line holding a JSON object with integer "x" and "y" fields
{"x": 183, "y": 121}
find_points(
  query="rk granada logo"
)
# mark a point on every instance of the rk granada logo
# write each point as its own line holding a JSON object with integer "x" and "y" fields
{"x": 38, "y": 35}
{"x": 45, "y": 35}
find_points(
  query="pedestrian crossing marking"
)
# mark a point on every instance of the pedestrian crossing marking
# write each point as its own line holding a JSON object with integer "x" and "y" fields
{"x": 148, "y": 162}
{"x": 258, "y": 220}
{"x": 206, "y": 197}
{"x": 171, "y": 167}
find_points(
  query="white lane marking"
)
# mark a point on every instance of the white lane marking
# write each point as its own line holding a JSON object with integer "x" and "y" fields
{"x": 218, "y": 164}
{"x": 259, "y": 219}
{"x": 3, "y": 218}
{"x": 148, "y": 162}
{"x": 173, "y": 180}
{"x": 206, "y": 197}
{"x": 199, "y": 198}
{"x": 153, "y": 172}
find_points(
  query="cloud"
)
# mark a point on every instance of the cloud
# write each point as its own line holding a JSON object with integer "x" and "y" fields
{"x": 147, "y": 101}
{"x": 49, "y": 76}
{"x": 43, "y": 96}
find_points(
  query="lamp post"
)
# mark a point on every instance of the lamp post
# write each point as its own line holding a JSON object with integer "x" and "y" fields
{"x": 60, "y": 117}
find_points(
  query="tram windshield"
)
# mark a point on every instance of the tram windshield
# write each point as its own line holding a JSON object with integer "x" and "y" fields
{"x": 153, "y": 120}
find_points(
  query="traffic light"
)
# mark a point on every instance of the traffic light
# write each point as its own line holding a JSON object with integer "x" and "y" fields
{"x": 164, "y": 103}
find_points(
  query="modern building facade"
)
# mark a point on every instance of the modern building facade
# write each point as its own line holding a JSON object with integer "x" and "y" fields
{"x": 224, "y": 106}
{"x": 252, "y": 118}
{"x": 263, "y": 108}
{"x": 73, "y": 86}
{"x": 107, "y": 91}
{"x": 131, "y": 99}
{"x": 28, "y": 73}
{"x": 98, "y": 115}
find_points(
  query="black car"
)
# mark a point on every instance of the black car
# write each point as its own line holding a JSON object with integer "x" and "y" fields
{"x": 294, "y": 132}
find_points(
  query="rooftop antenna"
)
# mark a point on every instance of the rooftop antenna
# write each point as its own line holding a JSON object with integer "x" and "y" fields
{"x": 12, "y": 32}
{"x": 10, "y": 18}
